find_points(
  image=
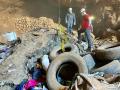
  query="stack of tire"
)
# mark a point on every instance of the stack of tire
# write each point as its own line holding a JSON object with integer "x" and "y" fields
{"x": 108, "y": 52}
{"x": 58, "y": 58}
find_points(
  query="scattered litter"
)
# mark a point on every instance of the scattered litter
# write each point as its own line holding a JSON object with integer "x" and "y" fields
{"x": 84, "y": 45}
{"x": 12, "y": 70}
{"x": 2, "y": 47}
{"x": 7, "y": 49}
{"x": 42, "y": 50}
{"x": 10, "y": 36}
{"x": 10, "y": 65}
{"x": 1, "y": 60}
{"x": 91, "y": 83}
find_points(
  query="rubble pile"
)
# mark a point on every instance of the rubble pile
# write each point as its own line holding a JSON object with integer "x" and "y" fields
{"x": 39, "y": 44}
{"x": 24, "y": 24}
{"x": 41, "y": 39}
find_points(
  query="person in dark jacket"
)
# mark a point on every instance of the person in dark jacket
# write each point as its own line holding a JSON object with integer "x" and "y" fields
{"x": 70, "y": 20}
{"x": 37, "y": 75}
{"x": 37, "y": 72}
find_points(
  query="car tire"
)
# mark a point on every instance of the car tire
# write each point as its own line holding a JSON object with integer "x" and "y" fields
{"x": 110, "y": 68}
{"x": 52, "y": 82}
{"x": 108, "y": 52}
{"x": 68, "y": 48}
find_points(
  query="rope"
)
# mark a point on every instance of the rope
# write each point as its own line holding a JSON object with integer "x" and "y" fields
{"x": 61, "y": 31}
{"x": 59, "y": 12}
{"x": 70, "y": 3}
{"x": 63, "y": 37}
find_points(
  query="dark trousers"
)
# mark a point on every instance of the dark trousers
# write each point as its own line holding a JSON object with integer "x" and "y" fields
{"x": 88, "y": 37}
{"x": 69, "y": 28}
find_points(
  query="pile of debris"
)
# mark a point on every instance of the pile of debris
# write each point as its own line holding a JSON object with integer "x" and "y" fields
{"x": 40, "y": 41}
{"x": 63, "y": 65}
{"x": 102, "y": 66}
{"x": 7, "y": 48}
{"x": 22, "y": 24}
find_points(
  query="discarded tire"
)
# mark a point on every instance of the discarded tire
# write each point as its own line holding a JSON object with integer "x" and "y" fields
{"x": 111, "y": 68}
{"x": 60, "y": 61}
{"x": 108, "y": 52}
{"x": 107, "y": 45}
{"x": 92, "y": 83}
{"x": 89, "y": 61}
{"x": 68, "y": 48}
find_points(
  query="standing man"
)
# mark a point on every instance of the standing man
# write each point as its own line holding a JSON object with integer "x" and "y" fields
{"x": 87, "y": 28}
{"x": 70, "y": 20}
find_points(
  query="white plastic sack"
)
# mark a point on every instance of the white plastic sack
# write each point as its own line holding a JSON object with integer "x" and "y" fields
{"x": 44, "y": 88}
{"x": 37, "y": 88}
{"x": 10, "y": 36}
{"x": 45, "y": 62}
{"x": 40, "y": 88}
